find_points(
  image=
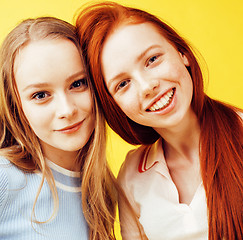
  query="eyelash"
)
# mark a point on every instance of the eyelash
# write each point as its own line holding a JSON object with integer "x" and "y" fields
{"x": 148, "y": 63}
{"x": 42, "y": 95}
{"x": 81, "y": 83}
{"x": 37, "y": 95}
{"x": 153, "y": 58}
{"x": 121, "y": 84}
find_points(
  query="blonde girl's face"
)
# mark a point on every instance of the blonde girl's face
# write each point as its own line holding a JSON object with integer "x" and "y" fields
{"x": 147, "y": 76}
{"x": 52, "y": 87}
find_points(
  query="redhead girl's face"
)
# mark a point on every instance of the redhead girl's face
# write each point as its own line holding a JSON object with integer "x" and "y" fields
{"x": 147, "y": 76}
{"x": 52, "y": 86}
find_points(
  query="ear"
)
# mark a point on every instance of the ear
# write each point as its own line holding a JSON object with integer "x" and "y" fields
{"x": 184, "y": 59}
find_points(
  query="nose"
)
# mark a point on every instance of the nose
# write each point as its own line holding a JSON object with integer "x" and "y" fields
{"x": 65, "y": 107}
{"x": 147, "y": 85}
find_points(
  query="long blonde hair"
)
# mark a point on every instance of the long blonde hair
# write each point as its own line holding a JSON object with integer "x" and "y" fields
{"x": 20, "y": 145}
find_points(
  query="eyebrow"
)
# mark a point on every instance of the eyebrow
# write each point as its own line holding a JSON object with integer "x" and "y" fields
{"x": 140, "y": 56}
{"x": 45, "y": 84}
{"x": 147, "y": 50}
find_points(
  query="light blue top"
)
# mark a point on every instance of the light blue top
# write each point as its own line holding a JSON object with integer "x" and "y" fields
{"x": 18, "y": 191}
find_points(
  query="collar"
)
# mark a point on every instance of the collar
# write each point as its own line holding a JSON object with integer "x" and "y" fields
{"x": 153, "y": 158}
{"x": 69, "y": 181}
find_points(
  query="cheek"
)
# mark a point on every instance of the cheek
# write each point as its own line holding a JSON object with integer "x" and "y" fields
{"x": 85, "y": 102}
{"x": 187, "y": 80}
{"x": 186, "y": 86}
{"x": 128, "y": 103}
{"x": 37, "y": 118}
{"x": 173, "y": 69}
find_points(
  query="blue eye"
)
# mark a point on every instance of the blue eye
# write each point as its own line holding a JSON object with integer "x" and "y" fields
{"x": 39, "y": 95}
{"x": 151, "y": 60}
{"x": 79, "y": 83}
{"x": 123, "y": 84}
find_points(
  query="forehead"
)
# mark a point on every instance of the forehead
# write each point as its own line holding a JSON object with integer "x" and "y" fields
{"x": 46, "y": 53}
{"x": 37, "y": 49}
{"x": 47, "y": 61}
{"x": 136, "y": 28}
{"x": 129, "y": 41}
{"x": 133, "y": 36}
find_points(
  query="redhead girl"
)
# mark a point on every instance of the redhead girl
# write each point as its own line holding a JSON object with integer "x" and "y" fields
{"x": 185, "y": 180}
{"x": 55, "y": 183}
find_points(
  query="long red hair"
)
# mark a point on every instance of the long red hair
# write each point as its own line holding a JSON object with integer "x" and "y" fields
{"x": 221, "y": 127}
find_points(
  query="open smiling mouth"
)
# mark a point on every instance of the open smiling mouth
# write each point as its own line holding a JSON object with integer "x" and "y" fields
{"x": 163, "y": 102}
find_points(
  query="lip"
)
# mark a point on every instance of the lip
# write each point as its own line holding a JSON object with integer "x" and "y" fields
{"x": 72, "y": 128}
{"x": 157, "y": 98}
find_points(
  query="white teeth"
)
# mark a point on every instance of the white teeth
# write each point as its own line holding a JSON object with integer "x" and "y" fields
{"x": 152, "y": 108}
{"x": 167, "y": 97}
{"x": 162, "y": 102}
{"x": 159, "y": 105}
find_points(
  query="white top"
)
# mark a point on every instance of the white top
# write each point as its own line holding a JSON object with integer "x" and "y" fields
{"x": 145, "y": 178}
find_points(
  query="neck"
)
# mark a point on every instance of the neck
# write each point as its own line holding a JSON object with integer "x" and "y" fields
{"x": 67, "y": 160}
{"x": 183, "y": 139}
{"x": 64, "y": 159}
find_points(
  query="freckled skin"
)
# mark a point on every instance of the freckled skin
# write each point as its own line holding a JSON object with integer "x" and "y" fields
{"x": 139, "y": 66}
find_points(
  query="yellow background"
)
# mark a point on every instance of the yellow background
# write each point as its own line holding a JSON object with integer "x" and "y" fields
{"x": 215, "y": 28}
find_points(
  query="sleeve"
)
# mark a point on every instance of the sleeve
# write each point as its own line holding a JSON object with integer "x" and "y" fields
{"x": 129, "y": 210}
{"x": 3, "y": 189}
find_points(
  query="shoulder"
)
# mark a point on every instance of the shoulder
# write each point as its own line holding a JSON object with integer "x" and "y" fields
{"x": 131, "y": 163}
{"x": 4, "y": 165}
{"x": 4, "y": 182}
{"x": 9, "y": 167}
{"x": 129, "y": 174}
{"x": 11, "y": 174}
{"x": 128, "y": 178}
{"x": 16, "y": 187}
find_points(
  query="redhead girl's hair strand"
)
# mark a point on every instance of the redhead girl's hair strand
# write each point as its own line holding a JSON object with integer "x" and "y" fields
{"x": 221, "y": 126}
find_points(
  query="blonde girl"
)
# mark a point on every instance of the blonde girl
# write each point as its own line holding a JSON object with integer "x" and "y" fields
{"x": 54, "y": 178}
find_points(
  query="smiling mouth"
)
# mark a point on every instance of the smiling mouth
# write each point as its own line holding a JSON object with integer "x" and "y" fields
{"x": 72, "y": 128}
{"x": 163, "y": 102}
